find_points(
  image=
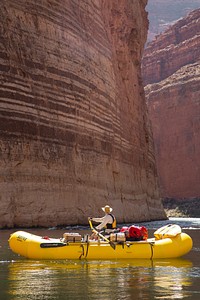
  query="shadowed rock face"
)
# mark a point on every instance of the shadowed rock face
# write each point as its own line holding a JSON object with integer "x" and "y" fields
{"x": 174, "y": 105}
{"x": 74, "y": 132}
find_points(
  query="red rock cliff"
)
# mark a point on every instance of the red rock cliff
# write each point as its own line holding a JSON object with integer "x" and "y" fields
{"x": 74, "y": 131}
{"x": 163, "y": 13}
{"x": 174, "y": 105}
{"x": 170, "y": 51}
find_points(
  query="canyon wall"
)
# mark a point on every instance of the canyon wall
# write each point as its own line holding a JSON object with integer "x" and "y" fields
{"x": 171, "y": 70}
{"x": 163, "y": 14}
{"x": 74, "y": 130}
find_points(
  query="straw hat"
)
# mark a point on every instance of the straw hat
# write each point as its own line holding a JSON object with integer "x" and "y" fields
{"x": 107, "y": 209}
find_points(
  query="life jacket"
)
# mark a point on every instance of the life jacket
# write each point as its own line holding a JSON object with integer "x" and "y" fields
{"x": 135, "y": 233}
{"x": 114, "y": 223}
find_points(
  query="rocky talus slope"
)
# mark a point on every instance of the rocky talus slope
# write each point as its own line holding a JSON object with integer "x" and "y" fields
{"x": 74, "y": 130}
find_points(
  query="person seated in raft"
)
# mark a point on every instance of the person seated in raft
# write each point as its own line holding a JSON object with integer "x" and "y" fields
{"x": 107, "y": 223}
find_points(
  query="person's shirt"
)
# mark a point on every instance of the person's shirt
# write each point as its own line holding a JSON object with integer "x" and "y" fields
{"x": 107, "y": 219}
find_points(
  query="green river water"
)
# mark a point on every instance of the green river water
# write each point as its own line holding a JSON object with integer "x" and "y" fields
{"x": 25, "y": 279}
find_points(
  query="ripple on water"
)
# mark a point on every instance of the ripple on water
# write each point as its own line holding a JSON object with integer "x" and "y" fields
{"x": 195, "y": 272}
{"x": 185, "y": 223}
{"x": 6, "y": 261}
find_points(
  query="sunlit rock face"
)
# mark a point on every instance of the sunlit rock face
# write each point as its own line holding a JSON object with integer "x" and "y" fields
{"x": 171, "y": 69}
{"x": 74, "y": 131}
{"x": 162, "y": 14}
{"x": 175, "y": 48}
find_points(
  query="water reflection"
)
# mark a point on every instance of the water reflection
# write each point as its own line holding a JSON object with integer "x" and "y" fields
{"x": 171, "y": 283}
{"x": 135, "y": 279}
{"x": 22, "y": 279}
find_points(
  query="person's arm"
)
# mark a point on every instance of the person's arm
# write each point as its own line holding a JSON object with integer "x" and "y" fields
{"x": 105, "y": 221}
{"x": 98, "y": 220}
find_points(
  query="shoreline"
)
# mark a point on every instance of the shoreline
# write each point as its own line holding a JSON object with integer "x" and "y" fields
{"x": 177, "y": 208}
{"x": 188, "y": 208}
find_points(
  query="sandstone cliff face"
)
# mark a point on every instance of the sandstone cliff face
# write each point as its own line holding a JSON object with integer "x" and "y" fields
{"x": 74, "y": 131}
{"x": 163, "y": 14}
{"x": 170, "y": 51}
{"x": 174, "y": 105}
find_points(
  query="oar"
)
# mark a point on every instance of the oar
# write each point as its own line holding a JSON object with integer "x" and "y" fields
{"x": 101, "y": 235}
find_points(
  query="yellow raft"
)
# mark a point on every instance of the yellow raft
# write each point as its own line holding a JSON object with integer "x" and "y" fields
{"x": 166, "y": 244}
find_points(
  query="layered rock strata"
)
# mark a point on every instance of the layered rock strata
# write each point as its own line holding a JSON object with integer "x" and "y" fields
{"x": 174, "y": 106}
{"x": 163, "y": 14}
{"x": 74, "y": 130}
{"x": 171, "y": 50}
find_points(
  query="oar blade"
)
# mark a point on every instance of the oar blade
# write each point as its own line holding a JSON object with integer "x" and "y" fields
{"x": 112, "y": 245}
{"x": 167, "y": 231}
